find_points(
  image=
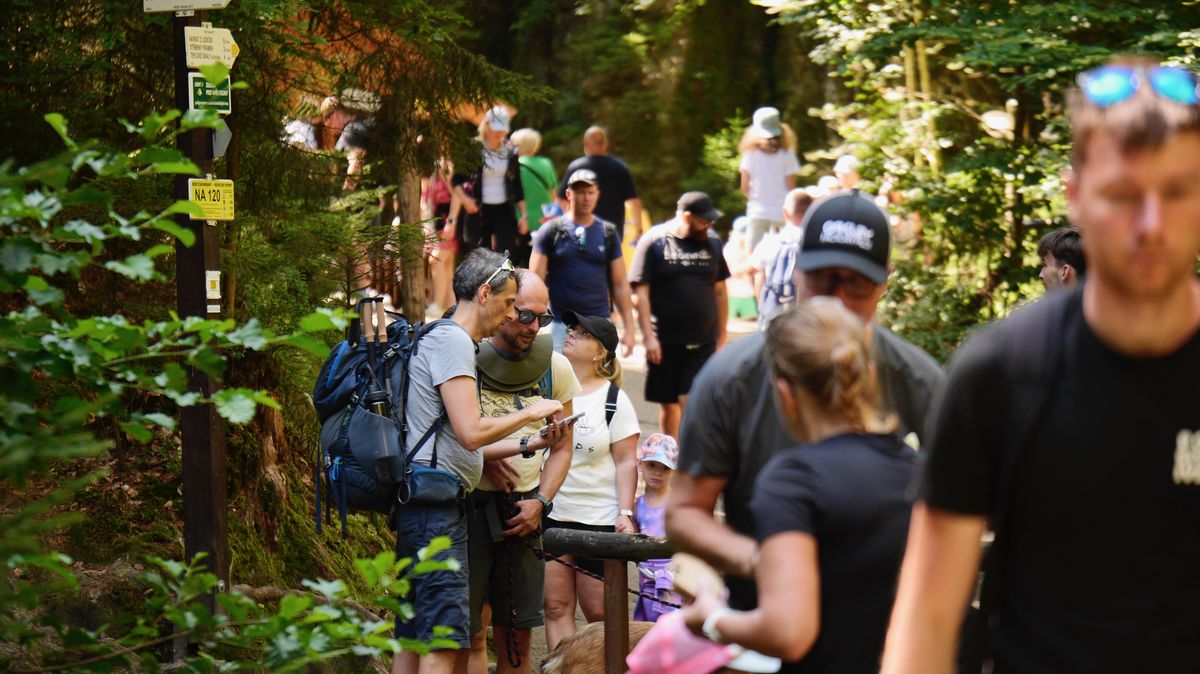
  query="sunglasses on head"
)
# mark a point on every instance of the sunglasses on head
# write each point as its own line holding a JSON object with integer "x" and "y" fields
{"x": 1109, "y": 85}
{"x": 525, "y": 317}
{"x": 507, "y": 265}
{"x": 827, "y": 281}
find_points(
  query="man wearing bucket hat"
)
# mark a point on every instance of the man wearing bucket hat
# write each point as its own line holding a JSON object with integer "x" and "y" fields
{"x": 732, "y": 428}
{"x": 521, "y": 476}
{"x": 768, "y": 171}
{"x": 679, "y": 274}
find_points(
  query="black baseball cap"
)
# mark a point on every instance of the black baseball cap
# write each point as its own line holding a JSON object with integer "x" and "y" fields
{"x": 597, "y": 326}
{"x": 698, "y": 203}
{"x": 846, "y": 230}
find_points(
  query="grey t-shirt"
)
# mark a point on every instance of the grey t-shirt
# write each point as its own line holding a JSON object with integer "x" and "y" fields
{"x": 445, "y": 352}
{"x": 732, "y": 429}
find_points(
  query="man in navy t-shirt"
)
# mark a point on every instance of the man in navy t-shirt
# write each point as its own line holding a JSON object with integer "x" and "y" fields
{"x": 579, "y": 257}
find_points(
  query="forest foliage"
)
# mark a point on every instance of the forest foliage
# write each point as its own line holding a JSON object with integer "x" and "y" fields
{"x": 94, "y": 361}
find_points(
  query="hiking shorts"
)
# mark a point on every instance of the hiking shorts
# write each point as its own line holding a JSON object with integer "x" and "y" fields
{"x": 672, "y": 376}
{"x": 743, "y": 307}
{"x": 439, "y": 598}
{"x": 491, "y": 563}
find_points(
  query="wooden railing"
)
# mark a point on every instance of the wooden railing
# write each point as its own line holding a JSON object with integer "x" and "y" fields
{"x": 617, "y": 550}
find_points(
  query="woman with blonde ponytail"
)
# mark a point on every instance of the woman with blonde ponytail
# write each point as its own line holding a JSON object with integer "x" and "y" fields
{"x": 832, "y": 514}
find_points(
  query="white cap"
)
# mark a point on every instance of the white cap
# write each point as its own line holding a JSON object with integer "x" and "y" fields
{"x": 498, "y": 118}
{"x": 846, "y": 163}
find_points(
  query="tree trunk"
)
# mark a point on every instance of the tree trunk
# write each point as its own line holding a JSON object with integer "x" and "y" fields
{"x": 412, "y": 286}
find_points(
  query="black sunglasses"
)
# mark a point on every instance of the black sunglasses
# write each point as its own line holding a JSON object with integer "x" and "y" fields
{"x": 827, "y": 281}
{"x": 525, "y": 317}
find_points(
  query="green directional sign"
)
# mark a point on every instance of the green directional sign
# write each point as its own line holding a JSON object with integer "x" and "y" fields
{"x": 203, "y": 95}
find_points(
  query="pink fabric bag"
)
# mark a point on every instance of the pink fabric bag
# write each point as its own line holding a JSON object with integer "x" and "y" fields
{"x": 671, "y": 648}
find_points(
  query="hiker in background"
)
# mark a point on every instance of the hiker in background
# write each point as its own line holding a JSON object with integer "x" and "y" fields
{"x": 446, "y": 430}
{"x": 741, "y": 282}
{"x": 831, "y": 514}
{"x": 1063, "y": 262}
{"x": 774, "y": 259}
{"x": 618, "y": 194}
{"x": 599, "y": 490}
{"x": 768, "y": 169}
{"x": 657, "y": 458}
{"x": 437, "y": 201}
{"x": 538, "y": 178}
{"x": 496, "y": 186}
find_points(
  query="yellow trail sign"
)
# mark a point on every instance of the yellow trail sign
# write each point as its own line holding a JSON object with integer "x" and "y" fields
{"x": 215, "y": 197}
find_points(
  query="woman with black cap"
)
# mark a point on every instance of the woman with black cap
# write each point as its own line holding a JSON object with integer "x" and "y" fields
{"x": 598, "y": 492}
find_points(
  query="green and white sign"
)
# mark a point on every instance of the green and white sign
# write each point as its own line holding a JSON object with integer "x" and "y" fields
{"x": 204, "y": 95}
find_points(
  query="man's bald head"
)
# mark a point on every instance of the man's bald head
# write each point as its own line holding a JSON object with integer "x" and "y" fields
{"x": 532, "y": 298}
{"x": 595, "y": 140}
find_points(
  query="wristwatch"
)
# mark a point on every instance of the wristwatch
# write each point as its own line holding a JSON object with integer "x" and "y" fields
{"x": 526, "y": 452}
{"x": 626, "y": 512}
{"x": 709, "y": 628}
{"x": 547, "y": 504}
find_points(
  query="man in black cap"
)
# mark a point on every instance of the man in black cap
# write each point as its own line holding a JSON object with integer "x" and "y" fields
{"x": 732, "y": 427}
{"x": 679, "y": 275}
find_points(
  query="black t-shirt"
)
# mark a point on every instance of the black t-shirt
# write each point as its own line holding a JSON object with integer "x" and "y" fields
{"x": 615, "y": 183}
{"x": 850, "y": 492}
{"x": 731, "y": 427}
{"x": 1101, "y": 537}
{"x": 681, "y": 273}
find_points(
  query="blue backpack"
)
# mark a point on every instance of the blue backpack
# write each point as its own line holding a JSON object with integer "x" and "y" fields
{"x": 360, "y": 397}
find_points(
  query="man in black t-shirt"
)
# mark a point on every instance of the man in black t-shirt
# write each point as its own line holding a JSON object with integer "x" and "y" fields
{"x": 732, "y": 429}
{"x": 679, "y": 276}
{"x": 1095, "y": 495}
{"x": 614, "y": 180}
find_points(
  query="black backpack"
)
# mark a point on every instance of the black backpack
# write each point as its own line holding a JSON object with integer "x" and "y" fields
{"x": 362, "y": 422}
{"x": 611, "y": 241}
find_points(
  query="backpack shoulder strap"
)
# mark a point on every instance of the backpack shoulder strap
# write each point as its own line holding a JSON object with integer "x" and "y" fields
{"x": 610, "y": 403}
{"x": 1031, "y": 355}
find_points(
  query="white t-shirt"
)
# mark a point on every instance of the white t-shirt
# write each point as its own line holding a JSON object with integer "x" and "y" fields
{"x": 589, "y": 494}
{"x": 497, "y": 404}
{"x": 768, "y": 173}
{"x": 495, "y": 164}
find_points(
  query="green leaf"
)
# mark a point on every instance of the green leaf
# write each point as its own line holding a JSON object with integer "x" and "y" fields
{"x": 330, "y": 589}
{"x": 293, "y": 604}
{"x": 249, "y": 335}
{"x": 137, "y": 267}
{"x": 35, "y": 284}
{"x": 215, "y": 72}
{"x": 185, "y": 236}
{"x": 317, "y": 322}
{"x": 16, "y": 256}
{"x": 185, "y": 207}
{"x": 313, "y": 346}
{"x": 59, "y": 124}
{"x": 235, "y": 404}
{"x": 264, "y": 398}
{"x": 159, "y": 250}
{"x": 187, "y": 168}
{"x": 136, "y": 431}
{"x": 436, "y": 546}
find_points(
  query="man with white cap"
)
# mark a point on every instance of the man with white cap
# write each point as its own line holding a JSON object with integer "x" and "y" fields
{"x": 768, "y": 171}
{"x": 579, "y": 257}
{"x": 732, "y": 428}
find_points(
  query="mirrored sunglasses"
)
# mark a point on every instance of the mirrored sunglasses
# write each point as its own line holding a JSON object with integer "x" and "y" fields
{"x": 525, "y": 317}
{"x": 1109, "y": 85}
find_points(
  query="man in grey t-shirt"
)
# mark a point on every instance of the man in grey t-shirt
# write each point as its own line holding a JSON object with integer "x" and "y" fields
{"x": 731, "y": 428}
{"x": 442, "y": 382}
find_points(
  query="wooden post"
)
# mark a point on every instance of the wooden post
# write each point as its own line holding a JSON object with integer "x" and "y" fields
{"x": 202, "y": 430}
{"x": 616, "y": 616}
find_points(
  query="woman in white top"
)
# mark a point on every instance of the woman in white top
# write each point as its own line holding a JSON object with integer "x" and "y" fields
{"x": 768, "y": 168}
{"x": 598, "y": 492}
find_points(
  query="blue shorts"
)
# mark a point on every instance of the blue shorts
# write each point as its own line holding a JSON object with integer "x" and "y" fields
{"x": 439, "y": 598}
